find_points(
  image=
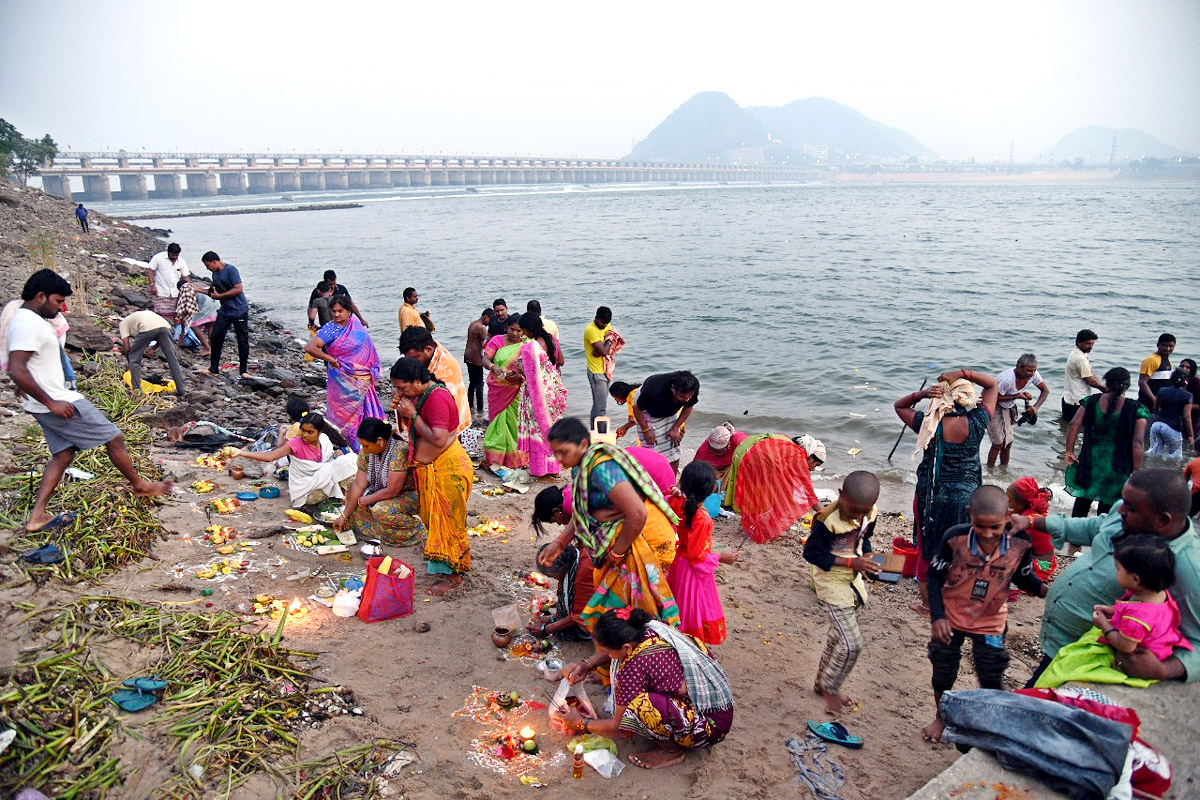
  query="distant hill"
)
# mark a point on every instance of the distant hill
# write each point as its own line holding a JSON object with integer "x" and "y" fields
{"x": 711, "y": 127}
{"x": 1095, "y": 143}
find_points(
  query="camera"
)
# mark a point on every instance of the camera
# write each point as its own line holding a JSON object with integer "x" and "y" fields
{"x": 1028, "y": 415}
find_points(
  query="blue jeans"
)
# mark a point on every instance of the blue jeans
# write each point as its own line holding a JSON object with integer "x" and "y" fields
{"x": 1074, "y": 751}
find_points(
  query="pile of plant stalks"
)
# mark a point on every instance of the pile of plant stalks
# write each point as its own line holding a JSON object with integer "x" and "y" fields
{"x": 233, "y": 706}
{"x": 113, "y": 528}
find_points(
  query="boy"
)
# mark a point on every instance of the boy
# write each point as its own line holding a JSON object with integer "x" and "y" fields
{"x": 968, "y": 593}
{"x": 836, "y": 549}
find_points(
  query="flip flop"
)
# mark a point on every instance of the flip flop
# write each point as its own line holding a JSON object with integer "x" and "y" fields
{"x": 132, "y": 700}
{"x": 62, "y": 520}
{"x": 835, "y": 732}
{"x": 46, "y": 554}
{"x": 146, "y": 684}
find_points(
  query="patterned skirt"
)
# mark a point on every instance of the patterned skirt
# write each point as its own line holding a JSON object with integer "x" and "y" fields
{"x": 665, "y": 718}
{"x": 394, "y": 522}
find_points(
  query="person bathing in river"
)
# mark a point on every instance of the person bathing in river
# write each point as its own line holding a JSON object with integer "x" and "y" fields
{"x": 1013, "y": 385}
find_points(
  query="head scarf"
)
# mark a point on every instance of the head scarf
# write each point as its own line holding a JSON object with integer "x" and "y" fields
{"x": 721, "y": 436}
{"x": 814, "y": 447}
{"x": 1035, "y": 498}
{"x": 957, "y": 395}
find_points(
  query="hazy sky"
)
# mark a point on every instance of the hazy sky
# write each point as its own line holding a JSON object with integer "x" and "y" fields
{"x": 585, "y": 79}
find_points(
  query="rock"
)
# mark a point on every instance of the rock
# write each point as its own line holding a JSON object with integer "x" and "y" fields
{"x": 311, "y": 379}
{"x": 252, "y": 470}
{"x": 132, "y": 296}
{"x": 273, "y": 343}
{"x": 421, "y": 627}
{"x": 283, "y": 375}
{"x": 258, "y": 383}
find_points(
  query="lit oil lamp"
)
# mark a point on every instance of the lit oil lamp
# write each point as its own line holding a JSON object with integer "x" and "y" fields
{"x": 528, "y": 743}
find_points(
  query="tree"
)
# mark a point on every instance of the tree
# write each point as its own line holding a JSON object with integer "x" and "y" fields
{"x": 23, "y": 156}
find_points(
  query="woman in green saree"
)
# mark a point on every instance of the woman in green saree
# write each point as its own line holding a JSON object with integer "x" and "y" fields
{"x": 503, "y": 390}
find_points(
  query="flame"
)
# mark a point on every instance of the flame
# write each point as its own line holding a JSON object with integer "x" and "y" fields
{"x": 526, "y": 732}
{"x": 295, "y": 606}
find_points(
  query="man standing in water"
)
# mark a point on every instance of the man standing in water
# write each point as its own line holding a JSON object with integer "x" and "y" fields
{"x": 68, "y": 420}
{"x": 1079, "y": 380}
{"x": 409, "y": 316}
{"x": 499, "y": 323}
{"x": 1156, "y": 371}
{"x": 596, "y": 348}
{"x": 1013, "y": 385}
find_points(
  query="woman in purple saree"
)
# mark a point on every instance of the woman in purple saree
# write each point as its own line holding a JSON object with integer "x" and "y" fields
{"x": 352, "y": 368}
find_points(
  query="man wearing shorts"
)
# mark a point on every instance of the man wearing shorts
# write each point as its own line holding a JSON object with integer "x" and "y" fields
{"x": 1014, "y": 385}
{"x": 68, "y": 420}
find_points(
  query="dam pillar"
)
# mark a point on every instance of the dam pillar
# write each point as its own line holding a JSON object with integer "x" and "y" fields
{"x": 57, "y": 185}
{"x": 337, "y": 179}
{"x": 168, "y": 187}
{"x": 356, "y": 179}
{"x": 287, "y": 181}
{"x": 379, "y": 179}
{"x": 97, "y": 187}
{"x": 262, "y": 182}
{"x": 201, "y": 184}
{"x": 400, "y": 177}
{"x": 133, "y": 187}
{"x": 233, "y": 183}
{"x": 312, "y": 181}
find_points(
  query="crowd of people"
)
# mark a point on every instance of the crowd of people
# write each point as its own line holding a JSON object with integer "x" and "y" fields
{"x": 635, "y": 558}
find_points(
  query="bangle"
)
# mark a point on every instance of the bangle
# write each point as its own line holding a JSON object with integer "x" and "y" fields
{"x": 543, "y": 629}
{"x": 615, "y": 554}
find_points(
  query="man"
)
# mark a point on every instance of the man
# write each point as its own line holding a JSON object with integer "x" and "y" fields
{"x": 663, "y": 405}
{"x": 81, "y": 215}
{"x": 534, "y": 307}
{"x": 68, "y": 420}
{"x": 477, "y": 337}
{"x": 137, "y": 331}
{"x": 163, "y": 273}
{"x": 335, "y": 290}
{"x": 1154, "y": 502}
{"x": 1079, "y": 380}
{"x": 234, "y": 312}
{"x": 596, "y": 348}
{"x": 499, "y": 323}
{"x": 418, "y": 343}
{"x": 409, "y": 316}
{"x": 318, "y": 304}
{"x": 1156, "y": 371}
{"x": 1013, "y": 386}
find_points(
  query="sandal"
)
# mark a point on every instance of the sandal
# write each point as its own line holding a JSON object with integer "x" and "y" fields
{"x": 146, "y": 684}
{"x": 46, "y": 554}
{"x": 133, "y": 700}
{"x": 62, "y": 520}
{"x": 835, "y": 732}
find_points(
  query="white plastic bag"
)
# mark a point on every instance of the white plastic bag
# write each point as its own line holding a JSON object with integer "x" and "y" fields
{"x": 507, "y": 617}
{"x": 604, "y": 762}
{"x": 559, "y": 704}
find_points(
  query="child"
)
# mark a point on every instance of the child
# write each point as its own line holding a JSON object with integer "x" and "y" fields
{"x": 1191, "y": 473}
{"x": 692, "y": 575}
{"x": 573, "y": 570}
{"x": 1027, "y": 498}
{"x": 837, "y": 548}
{"x": 313, "y": 473}
{"x": 1145, "y": 616}
{"x": 626, "y": 395}
{"x": 968, "y": 585}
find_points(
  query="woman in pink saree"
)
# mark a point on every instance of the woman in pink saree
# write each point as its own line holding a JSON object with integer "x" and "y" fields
{"x": 503, "y": 389}
{"x": 543, "y": 398}
{"x": 352, "y": 368}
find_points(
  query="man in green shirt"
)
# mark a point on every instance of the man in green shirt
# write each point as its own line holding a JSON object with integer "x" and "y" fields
{"x": 1155, "y": 502}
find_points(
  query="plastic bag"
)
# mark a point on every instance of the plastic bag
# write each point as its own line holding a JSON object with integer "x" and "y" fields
{"x": 568, "y": 697}
{"x": 592, "y": 741}
{"x": 604, "y": 762}
{"x": 386, "y": 596}
{"x": 508, "y": 617}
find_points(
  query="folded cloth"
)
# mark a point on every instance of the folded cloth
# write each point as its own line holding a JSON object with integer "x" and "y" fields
{"x": 617, "y": 342}
{"x": 707, "y": 684}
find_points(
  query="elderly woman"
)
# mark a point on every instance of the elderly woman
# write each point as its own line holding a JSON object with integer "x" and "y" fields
{"x": 352, "y": 368}
{"x": 949, "y": 433}
{"x": 378, "y": 505}
{"x": 621, "y": 518}
{"x": 443, "y": 470}
{"x": 663, "y": 405}
{"x": 717, "y": 450}
{"x": 667, "y": 687}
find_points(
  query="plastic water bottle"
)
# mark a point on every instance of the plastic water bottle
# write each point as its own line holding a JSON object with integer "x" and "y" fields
{"x": 577, "y": 767}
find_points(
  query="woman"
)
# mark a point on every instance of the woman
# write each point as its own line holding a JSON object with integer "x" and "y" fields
{"x": 621, "y": 518}
{"x": 1114, "y": 430}
{"x": 443, "y": 470}
{"x": 503, "y": 391}
{"x": 378, "y": 504}
{"x": 769, "y": 484}
{"x": 667, "y": 687}
{"x": 949, "y": 432}
{"x": 1193, "y": 386}
{"x": 718, "y": 449}
{"x": 1171, "y": 429}
{"x": 542, "y": 399}
{"x": 314, "y": 473}
{"x": 352, "y": 369}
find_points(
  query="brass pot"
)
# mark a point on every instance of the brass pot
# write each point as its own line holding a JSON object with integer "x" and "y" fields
{"x": 502, "y": 637}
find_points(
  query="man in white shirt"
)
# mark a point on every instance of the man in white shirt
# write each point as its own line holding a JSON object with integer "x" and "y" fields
{"x": 137, "y": 331}
{"x": 1013, "y": 386}
{"x": 1080, "y": 380}
{"x": 164, "y": 273}
{"x": 68, "y": 420}
{"x": 548, "y": 325}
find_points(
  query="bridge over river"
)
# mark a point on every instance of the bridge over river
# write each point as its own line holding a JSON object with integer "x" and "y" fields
{"x": 174, "y": 175}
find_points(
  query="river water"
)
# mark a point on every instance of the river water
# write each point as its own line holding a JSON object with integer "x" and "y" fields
{"x": 802, "y": 309}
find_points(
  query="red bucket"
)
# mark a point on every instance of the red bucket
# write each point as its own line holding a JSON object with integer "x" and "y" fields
{"x": 901, "y": 547}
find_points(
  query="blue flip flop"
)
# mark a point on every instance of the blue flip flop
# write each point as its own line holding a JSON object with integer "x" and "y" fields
{"x": 146, "y": 684}
{"x": 46, "y": 554}
{"x": 63, "y": 520}
{"x": 835, "y": 732}
{"x": 133, "y": 700}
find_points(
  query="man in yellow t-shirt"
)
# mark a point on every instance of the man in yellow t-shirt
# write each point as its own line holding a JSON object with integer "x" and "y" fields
{"x": 1155, "y": 372}
{"x": 595, "y": 348}
{"x": 409, "y": 316}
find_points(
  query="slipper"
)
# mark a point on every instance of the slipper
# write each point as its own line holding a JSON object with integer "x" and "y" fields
{"x": 146, "y": 684}
{"x": 835, "y": 732}
{"x": 46, "y": 554}
{"x": 132, "y": 700}
{"x": 63, "y": 520}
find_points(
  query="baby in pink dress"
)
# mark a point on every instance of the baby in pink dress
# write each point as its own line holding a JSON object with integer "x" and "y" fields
{"x": 1146, "y": 615}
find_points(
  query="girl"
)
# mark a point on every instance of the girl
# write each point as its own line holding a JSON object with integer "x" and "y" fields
{"x": 313, "y": 472}
{"x": 1145, "y": 616}
{"x": 1027, "y": 498}
{"x": 692, "y": 576}
{"x": 626, "y": 395}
